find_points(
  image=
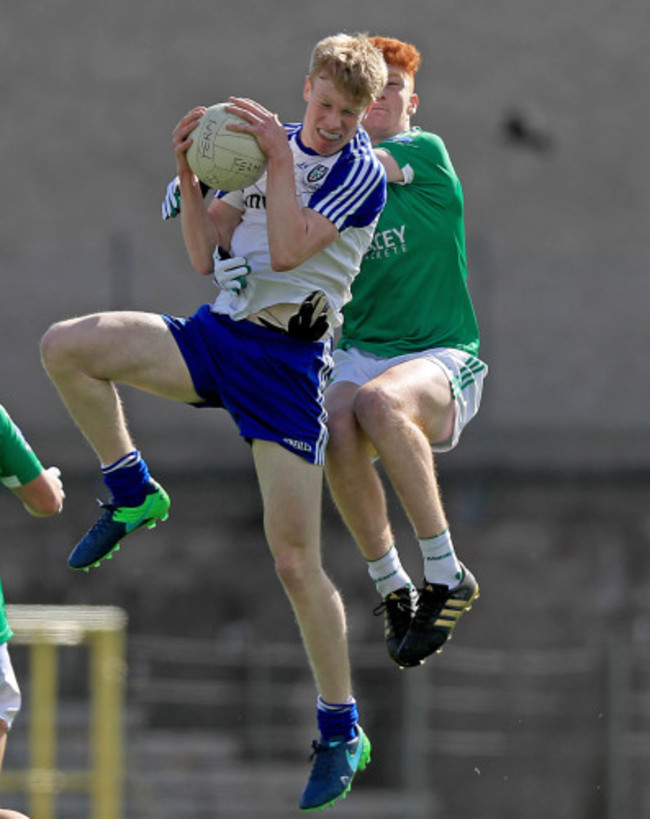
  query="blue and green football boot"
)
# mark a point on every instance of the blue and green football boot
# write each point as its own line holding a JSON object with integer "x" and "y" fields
{"x": 102, "y": 539}
{"x": 335, "y": 764}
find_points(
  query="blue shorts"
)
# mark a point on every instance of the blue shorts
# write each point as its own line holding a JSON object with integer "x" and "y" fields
{"x": 271, "y": 384}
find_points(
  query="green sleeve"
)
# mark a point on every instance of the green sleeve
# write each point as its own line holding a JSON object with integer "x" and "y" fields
{"x": 18, "y": 462}
{"x": 5, "y": 629}
{"x": 426, "y": 155}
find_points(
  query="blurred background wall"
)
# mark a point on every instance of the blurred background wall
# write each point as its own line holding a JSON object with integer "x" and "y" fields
{"x": 543, "y": 108}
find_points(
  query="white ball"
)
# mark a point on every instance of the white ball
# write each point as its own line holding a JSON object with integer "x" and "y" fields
{"x": 224, "y": 159}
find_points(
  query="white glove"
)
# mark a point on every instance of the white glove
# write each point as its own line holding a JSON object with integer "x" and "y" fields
{"x": 171, "y": 204}
{"x": 55, "y": 473}
{"x": 230, "y": 271}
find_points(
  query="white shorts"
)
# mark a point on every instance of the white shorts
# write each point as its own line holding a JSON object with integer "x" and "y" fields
{"x": 464, "y": 371}
{"x": 9, "y": 691}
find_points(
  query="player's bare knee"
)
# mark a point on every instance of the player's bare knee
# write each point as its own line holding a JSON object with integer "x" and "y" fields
{"x": 341, "y": 427}
{"x": 61, "y": 345}
{"x": 53, "y": 346}
{"x": 291, "y": 570}
{"x": 376, "y": 410}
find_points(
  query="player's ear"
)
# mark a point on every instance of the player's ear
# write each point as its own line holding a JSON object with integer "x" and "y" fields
{"x": 413, "y": 104}
{"x": 306, "y": 91}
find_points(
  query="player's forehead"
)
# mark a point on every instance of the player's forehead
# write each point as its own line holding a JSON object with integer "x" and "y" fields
{"x": 324, "y": 88}
{"x": 397, "y": 74}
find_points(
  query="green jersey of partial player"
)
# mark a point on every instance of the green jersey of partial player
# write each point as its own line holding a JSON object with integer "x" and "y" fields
{"x": 5, "y": 629}
{"x": 411, "y": 293}
{"x": 18, "y": 462}
{"x": 18, "y": 465}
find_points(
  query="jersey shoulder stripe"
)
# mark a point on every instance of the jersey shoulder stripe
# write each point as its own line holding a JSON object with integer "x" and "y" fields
{"x": 364, "y": 180}
{"x": 292, "y": 128}
{"x": 355, "y": 190}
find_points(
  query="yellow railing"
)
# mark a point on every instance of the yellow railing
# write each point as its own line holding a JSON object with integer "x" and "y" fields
{"x": 103, "y": 630}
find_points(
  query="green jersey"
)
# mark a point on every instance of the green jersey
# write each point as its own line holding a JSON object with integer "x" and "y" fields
{"x": 5, "y": 629}
{"x": 18, "y": 465}
{"x": 411, "y": 292}
{"x": 18, "y": 462}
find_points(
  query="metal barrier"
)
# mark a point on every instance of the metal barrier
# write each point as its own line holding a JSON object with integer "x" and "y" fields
{"x": 103, "y": 630}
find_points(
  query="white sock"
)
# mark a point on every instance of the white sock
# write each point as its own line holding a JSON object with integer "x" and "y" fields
{"x": 440, "y": 562}
{"x": 387, "y": 573}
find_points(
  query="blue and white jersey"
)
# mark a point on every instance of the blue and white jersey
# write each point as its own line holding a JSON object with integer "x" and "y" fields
{"x": 349, "y": 189}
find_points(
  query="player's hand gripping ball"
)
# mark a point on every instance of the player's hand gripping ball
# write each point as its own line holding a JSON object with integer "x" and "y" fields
{"x": 224, "y": 159}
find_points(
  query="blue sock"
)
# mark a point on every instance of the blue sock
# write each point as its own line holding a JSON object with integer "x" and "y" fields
{"x": 128, "y": 479}
{"x": 337, "y": 720}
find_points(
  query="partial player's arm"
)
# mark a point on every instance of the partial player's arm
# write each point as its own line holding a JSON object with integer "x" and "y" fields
{"x": 40, "y": 490}
{"x": 393, "y": 171}
{"x": 43, "y": 495}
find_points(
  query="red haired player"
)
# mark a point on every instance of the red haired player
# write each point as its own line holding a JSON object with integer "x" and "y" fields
{"x": 407, "y": 377}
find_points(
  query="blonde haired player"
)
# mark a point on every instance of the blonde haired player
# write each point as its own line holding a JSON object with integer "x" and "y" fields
{"x": 407, "y": 377}
{"x": 262, "y": 351}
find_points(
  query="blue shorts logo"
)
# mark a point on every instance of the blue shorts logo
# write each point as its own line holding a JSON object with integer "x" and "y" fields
{"x": 303, "y": 446}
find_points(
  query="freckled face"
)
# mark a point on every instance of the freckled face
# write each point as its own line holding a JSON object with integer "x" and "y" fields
{"x": 331, "y": 119}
